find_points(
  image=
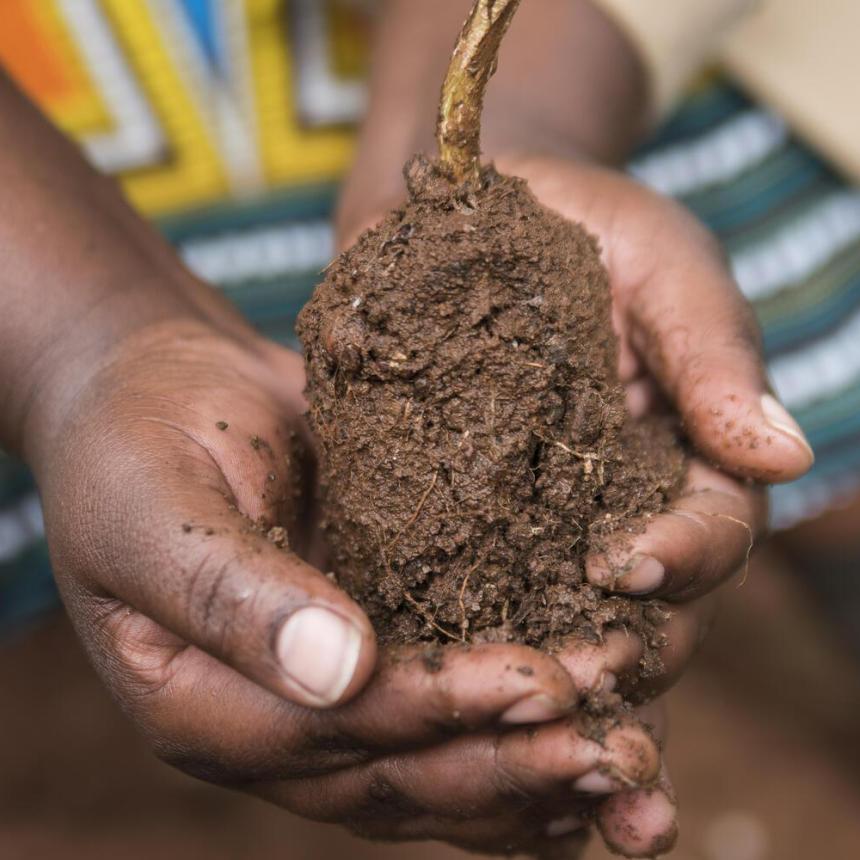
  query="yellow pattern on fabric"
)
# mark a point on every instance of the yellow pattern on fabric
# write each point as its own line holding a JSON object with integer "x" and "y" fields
{"x": 76, "y": 106}
{"x": 193, "y": 174}
{"x": 123, "y": 78}
{"x": 290, "y": 153}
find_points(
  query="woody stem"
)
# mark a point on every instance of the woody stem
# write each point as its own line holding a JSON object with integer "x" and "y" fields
{"x": 472, "y": 66}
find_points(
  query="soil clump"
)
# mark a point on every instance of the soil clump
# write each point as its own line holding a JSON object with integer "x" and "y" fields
{"x": 474, "y": 439}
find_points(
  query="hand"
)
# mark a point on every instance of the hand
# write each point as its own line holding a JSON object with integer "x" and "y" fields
{"x": 184, "y": 446}
{"x": 688, "y": 343}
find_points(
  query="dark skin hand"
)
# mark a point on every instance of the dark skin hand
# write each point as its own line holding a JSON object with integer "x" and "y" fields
{"x": 706, "y": 536}
{"x": 240, "y": 661}
{"x": 179, "y": 602}
{"x": 118, "y": 372}
{"x": 689, "y": 342}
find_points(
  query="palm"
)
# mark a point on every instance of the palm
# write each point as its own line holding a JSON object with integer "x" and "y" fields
{"x": 183, "y": 453}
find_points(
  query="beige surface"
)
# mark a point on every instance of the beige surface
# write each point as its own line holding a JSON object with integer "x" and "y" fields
{"x": 675, "y": 37}
{"x": 799, "y": 56}
{"x": 765, "y": 751}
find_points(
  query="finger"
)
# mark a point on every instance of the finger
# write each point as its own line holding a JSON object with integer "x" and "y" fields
{"x": 705, "y": 537}
{"x": 614, "y": 665}
{"x": 251, "y": 749}
{"x": 682, "y": 635}
{"x": 417, "y": 697}
{"x": 257, "y": 608}
{"x": 598, "y": 666}
{"x": 198, "y": 714}
{"x": 700, "y": 339}
{"x": 428, "y": 693}
{"x": 479, "y": 775}
{"x": 641, "y": 822}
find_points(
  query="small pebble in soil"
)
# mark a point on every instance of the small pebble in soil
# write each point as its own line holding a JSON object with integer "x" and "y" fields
{"x": 278, "y": 536}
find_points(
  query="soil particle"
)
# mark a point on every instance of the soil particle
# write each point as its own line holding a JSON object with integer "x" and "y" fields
{"x": 221, "y": 425}
{"x": 525, "y": 670}
{"x": 433, "y": 658}
{"x": 278, "y": 536}
{"x": 474, "y": 439}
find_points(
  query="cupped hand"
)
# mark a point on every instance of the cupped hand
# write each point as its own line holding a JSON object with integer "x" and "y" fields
{"x": 178, "y": 496}
{"x": 688, "y": 344}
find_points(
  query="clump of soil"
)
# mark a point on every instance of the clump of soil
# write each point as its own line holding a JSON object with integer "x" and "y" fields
{"x": 473, "y": 434}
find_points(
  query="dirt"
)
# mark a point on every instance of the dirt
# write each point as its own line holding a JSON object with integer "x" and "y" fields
{"x": 472, "y": 430}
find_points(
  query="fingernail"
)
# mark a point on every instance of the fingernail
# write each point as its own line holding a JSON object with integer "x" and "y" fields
{"x": 563, "y": 826}
{"x": 318, "y": 650}
{"x": 608, "y": 682}
{"x": 779, "y": 418}
{"x": 595, "y": 783}
{"x": 646, "y": 575}
{"x": 539, "y": 708}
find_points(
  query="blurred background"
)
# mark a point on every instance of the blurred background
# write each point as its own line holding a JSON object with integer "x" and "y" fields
{"x": 229, "y": 124}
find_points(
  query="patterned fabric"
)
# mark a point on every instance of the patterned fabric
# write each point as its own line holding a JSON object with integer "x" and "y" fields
{"x": 792, "y": 229}
{"x": 258, "y": 225}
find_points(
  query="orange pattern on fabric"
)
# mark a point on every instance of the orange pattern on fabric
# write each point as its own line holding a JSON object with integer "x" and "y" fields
{"x": 28, "y": 54}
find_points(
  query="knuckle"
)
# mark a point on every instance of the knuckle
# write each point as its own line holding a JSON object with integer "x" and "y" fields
{"x": 190, "y": 759}
{"x": 385, "y": 794}
{"x": 444, "y": 709}
{"x": 139, "y": 660}
{"x": 509, "y": 779}
{"x": 213, "y": 602}
{"x": 334, "y": 750}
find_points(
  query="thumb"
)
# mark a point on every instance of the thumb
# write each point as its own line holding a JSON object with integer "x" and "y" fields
{"x": 701, "y": 341}
{"x": 209, "y": 575}
{"x": 267, "y": 613}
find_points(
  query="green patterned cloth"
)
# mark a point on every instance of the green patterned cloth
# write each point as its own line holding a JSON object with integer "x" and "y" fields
{"x": 790, "y": 224}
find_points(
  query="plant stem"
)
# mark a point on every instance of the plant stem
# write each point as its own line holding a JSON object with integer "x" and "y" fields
{"x": 472, "y": 66}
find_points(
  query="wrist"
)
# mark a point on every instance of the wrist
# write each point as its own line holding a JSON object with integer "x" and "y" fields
{"x": 59, "y": 363}
{"x": 81, "y": 271}
{"x": 569, "y": 84}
